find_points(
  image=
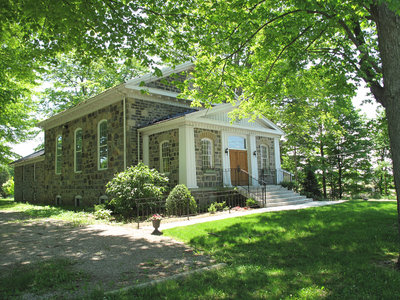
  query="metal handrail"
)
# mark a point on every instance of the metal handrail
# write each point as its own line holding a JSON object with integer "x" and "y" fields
{"x": 259, "y": 181}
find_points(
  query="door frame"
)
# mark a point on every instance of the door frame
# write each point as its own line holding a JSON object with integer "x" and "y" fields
{"x": 226, "y": 157}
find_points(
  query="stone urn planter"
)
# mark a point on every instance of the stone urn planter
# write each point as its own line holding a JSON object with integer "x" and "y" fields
{"x": 156, "y": 224}
{"x": 156, "y": 221}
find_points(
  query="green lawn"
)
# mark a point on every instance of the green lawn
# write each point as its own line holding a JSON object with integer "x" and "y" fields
{"x": 344, "y": 251}
{"x": 72, "y": 215}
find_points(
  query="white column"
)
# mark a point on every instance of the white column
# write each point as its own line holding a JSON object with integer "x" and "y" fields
{"x": 226, "y": 164}
{"x": 145, "y": 149}
{"x": 187, "y": 157}
{"x": 277, "y": 152}
{"x": 253, "y": 159}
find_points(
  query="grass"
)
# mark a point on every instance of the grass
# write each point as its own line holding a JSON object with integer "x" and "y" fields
{"x": 344, "y": 251}
{"x": 72, "y": 215}
{"x": 39, "y": 278}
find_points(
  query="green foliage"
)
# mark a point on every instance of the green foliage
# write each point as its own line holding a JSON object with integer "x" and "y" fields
{"x": 212, "y": 209}
{"x": 45, "y": 276}
{"x": 102, "y": 213}
{"x": 216, "y": 206}
{"x": 348, "y": 254}
{"x": 180, "y": 201}
{"x": 136, "y": 184}
{"x": 310, "y": 185}
{"x": 6, "y": 172}
{"x": 290, "y": 185}
{"x": 251, "y": 202}
{"x": 34, "y": 212}
{"x": 73, "y": 81}
{"x": 8, "y": 187}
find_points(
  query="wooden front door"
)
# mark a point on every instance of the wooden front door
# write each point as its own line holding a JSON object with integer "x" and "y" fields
{"x": 238, "y": 159}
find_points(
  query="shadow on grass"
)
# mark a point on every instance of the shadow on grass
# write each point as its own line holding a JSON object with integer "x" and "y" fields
{"x": 42, "y": 211}
{"x": 344, "y": 252}
{"x": 43, "y": 257}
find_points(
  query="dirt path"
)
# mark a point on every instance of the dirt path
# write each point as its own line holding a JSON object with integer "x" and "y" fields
{"x": 113, "y": 256}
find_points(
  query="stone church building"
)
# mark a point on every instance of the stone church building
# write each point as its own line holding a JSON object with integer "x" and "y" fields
{"x": 89, "y": 143}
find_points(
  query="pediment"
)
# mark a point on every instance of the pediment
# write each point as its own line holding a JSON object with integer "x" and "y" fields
{"x": 219, "y": 115}
{"x": 247, "y": 122}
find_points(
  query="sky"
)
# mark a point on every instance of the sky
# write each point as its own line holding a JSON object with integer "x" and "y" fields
{"x": 369, "y": 109}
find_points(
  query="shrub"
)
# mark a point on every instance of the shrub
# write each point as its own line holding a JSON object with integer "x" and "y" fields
{"x": 101, "y": 213}
{"x": 216, "y": 206}
{"x": 288, "y": 184}
{"x": 310, "y": 185}
{"x": 8, "y": 187}
{"x": 136, "y": 185}
{"x": 212, "y": 209}
{"x": 251, "y": 202}
{"x": 180, "y": 201}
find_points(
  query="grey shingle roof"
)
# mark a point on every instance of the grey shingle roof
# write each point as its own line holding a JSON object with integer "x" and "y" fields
{"x": 30, "y": 156}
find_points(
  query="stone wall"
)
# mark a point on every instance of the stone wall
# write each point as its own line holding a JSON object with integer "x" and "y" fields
{"x": 141, "y": 113}
{"x": 29, "y": 182}
{"x": 172, "y": 136}
{"x": 208, "y": 177}
{"x": 90, "y": 183}
{"x": 267, "y": 175}
{"x": 169, "y": 83}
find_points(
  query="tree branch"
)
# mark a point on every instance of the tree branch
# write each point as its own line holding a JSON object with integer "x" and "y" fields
{"x": 283, "y": 50}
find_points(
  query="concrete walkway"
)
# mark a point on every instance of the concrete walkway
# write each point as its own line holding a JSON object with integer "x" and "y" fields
{"x": 235, "y": 214}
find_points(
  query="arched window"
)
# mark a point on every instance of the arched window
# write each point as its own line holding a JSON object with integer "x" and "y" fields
{"x": 264, "y": 156}
{"x": 58, "y": 154}
{"x": 206, "y": 153}
{"x": 164, "y": 157}
{"x": 78, "y": 151}
{"x": 102, "y": 145}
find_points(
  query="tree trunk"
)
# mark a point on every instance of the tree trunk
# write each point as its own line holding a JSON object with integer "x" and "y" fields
{"x": 340, "y": 176}
{"x": 321, "y": 147}
{"x": 388, "y": 27}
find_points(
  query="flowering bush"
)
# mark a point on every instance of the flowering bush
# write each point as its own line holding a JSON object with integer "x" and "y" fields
{"x": 138, "y": 183}
{"x": 155, "y": 217}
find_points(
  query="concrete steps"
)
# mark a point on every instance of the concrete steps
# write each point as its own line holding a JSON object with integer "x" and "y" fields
{"x": 275, "y": 196}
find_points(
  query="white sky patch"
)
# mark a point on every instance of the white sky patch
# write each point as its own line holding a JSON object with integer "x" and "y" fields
{"x": 365, "y": 102}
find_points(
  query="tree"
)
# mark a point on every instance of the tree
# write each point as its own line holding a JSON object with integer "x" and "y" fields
{"x": 72, "y": 81}
{"x": 245, "y": 50}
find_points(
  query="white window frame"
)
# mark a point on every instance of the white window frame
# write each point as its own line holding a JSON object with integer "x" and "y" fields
{"x": 264, "y": 160}
{"x": 98, "y": 144}
{"x": 162, "y": 158}
{"x": 241, "y": 136}
{"x": 209, "y": 155}
{"x": 77, "y": 152}
{"x": 56, "y": 165}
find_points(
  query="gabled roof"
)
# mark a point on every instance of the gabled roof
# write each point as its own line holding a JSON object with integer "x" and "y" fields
{"x": 149, "y": 77}
{"x": 118, "y": 93}
{"x": 31, "y": 158}
{"x": 216, "y": 117}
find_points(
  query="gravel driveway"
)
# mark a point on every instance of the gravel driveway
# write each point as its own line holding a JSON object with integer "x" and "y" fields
{"x": 113, "y": 256}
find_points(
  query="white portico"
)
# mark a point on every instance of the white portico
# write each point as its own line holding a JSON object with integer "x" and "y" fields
{"x": 204, "y": 148}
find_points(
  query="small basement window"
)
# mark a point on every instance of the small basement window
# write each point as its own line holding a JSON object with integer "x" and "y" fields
{"x": 78, "y": 201}
{"x": 103, "y": 199}
{"x": 58, "y": 200}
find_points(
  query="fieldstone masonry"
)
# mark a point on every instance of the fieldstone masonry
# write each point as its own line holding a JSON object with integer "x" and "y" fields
{"x": 208, "y": 177}
{"x": 269, "y": 142}
{"x": 155, "y": 140}
{"x": 142, "y": 113}
{"x": 38, "y": 182}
